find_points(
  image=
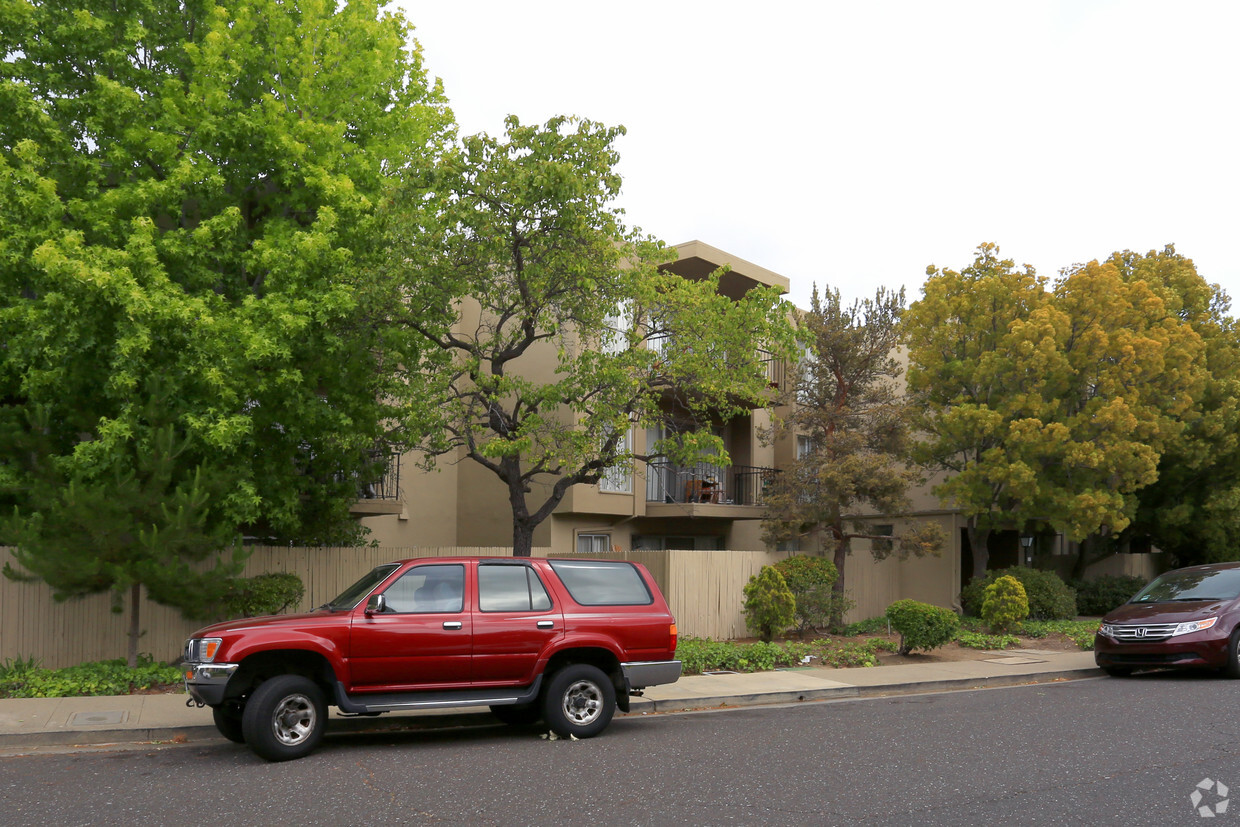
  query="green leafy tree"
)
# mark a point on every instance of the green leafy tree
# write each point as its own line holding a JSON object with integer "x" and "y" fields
{"x": 187, "y": 211}
{"x": 563, "y": 333}
{"x": 970, "y": 388}
{"x": 1049, "y": 409}
{"x": 1193, "y": 509}
{"x": 847, "y": 405}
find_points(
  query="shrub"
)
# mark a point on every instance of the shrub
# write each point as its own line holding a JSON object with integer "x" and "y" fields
{"x": 769, "y": 605}
{"x": 922, "y": 626}
{"x": 1101, "y": 595}
{"x": 268, "y": 593}
{"x": 811, "y": 581}
{"x": 1049, "y": 597}
{"x": 1005, "y": 604}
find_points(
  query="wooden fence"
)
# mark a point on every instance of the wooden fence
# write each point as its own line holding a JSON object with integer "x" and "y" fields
{"x": 703, "y": 588}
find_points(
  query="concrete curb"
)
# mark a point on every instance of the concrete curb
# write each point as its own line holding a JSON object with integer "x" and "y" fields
{"x": 640, "y": 706}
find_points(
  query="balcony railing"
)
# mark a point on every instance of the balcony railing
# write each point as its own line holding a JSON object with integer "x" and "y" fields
{"x": 707, "y": 483}
{"x": 774, "y": 367}
{"x": 387, "y": 485}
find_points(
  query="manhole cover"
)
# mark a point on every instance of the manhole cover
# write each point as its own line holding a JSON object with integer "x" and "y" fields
{"x": 98, "y": 718}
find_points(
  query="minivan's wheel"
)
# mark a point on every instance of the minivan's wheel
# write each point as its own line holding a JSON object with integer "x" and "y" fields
{"x": 228, "y": 723}
{"x": 1232, "y": 669}
{"x": 517, "y": 714}
{"x": 580, "y": 701}
{"x": 284, "y": 718}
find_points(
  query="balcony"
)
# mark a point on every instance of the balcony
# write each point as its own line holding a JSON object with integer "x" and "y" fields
{"x": 382, "y": 494}
{"x": 775, "y": 368}
{"x": 705, "y": 489}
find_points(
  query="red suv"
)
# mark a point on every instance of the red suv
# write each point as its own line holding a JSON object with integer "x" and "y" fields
{"x": 565, "y": 641}
{"x": 1184, "y": 618}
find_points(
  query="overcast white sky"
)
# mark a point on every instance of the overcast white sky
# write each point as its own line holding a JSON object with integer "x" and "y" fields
{"x": 852, "y": 144}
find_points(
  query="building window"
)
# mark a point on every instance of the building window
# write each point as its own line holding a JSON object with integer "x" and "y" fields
{"x": 594, "y": 543}
{"x": 616, "y": 329}
{"x": 882, "y": 545}
{"x": 805, "y": 447}
{"x": 618, "y": 479}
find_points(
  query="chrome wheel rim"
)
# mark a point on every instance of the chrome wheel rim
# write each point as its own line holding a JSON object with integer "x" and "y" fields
{"x": 294, "y": 719}
{"x": 583, "y": 703}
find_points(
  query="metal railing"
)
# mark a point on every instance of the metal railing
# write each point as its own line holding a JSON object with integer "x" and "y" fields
{"x": 775, "y": 368}
{"x": 707, "y": 483}
{"x": 387, "y": 485}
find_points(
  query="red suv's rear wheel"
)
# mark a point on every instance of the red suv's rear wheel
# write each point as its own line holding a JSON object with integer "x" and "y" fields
{"x": 580, "y": 700}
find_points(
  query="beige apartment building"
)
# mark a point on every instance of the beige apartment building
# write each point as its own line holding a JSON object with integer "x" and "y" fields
{"x": 660, "y": 506}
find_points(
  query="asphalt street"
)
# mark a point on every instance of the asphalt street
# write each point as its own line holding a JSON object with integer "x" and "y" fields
{"x": 1096, "y": 751}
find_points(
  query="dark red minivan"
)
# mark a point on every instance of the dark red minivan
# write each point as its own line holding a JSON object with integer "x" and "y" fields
{"x": 1186, "y": 618}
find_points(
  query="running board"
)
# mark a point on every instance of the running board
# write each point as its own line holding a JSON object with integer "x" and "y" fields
{"x": 408, "y": 701}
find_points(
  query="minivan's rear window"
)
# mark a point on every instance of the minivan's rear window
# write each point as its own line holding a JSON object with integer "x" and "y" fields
{"x": 603, "y": 582}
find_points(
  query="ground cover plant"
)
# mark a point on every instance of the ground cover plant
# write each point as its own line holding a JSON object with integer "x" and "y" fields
{"x": 25, "y": 678}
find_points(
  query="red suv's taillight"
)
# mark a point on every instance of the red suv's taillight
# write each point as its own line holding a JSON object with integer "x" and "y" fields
{"x": 672, "y": 629}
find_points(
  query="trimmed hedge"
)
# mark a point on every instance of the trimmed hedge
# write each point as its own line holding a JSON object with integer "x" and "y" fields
{"x": 1049, "y": 597}
{"x": 922, "y": 626}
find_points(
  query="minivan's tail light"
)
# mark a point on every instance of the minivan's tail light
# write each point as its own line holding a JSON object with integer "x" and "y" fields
{"x": 672, "y": 629}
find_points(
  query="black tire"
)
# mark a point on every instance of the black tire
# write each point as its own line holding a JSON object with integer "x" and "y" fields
{"x": 1232, "y": 669}
{"x": 1117, "y": 671}
{"x": 284, "y": 718}
{"x": 517, "y": 714}
{"x": 580, "y": 700}
{"x": 229, "y": 724}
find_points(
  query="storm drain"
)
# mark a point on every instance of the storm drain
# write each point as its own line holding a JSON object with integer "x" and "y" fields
{"x": 119, "y": 716}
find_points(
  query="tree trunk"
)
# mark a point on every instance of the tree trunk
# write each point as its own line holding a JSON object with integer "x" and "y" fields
{"x": 135, "y": 625}
{"x": 979, "y": 544}
{"x": 522, "y": 540}
{"x": 837, "y": 611}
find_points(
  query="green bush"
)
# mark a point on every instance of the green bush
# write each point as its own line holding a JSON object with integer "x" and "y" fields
{"x": 922, "y": 626}
{"x": 811, "y": 581}
{"x": 1049, "y": 597}
{"x": 268, "y": 593}
{"x": 107, "y": 677}
{"x": 770, "y": 607}
{"x": 1005, "y": 604}
{"x": 1101, "y": 595}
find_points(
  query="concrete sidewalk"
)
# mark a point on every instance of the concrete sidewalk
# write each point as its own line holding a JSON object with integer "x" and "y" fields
{"x": 29, "y": 723}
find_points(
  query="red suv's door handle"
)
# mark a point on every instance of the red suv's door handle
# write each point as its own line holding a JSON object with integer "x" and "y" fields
{"x": 546, "y": 624}
{"x": 452, "y": 624}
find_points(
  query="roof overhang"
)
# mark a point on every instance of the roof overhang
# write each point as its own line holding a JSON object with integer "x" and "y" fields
{"x": 697, "y": 260}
